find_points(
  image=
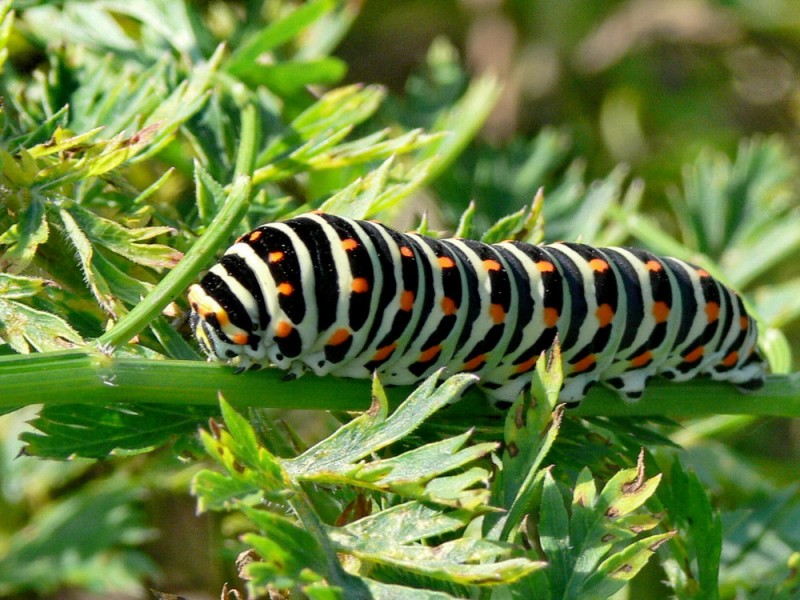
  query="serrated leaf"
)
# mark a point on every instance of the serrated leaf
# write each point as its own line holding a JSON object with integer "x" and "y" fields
{"x": 24, "y": 237}
{"x": 463, "y": 561}
{"x": 627, "y": 491}
{"x": 386, "y": 591}
{"x": 690, "y": 510}
{"x": 466, "y": 222}
{"x": 289, "y": 555}
{"x": 507, "y": 227}
{"x": 18, "y": 286}
{"x": 126, "y": 241}
{"x": 85, "y": 254}
{"x": 614, "y": 572}
{"x": 210, "y": 195}
{"x": 373, "y": 430}
{"x": 405, "y": 523}
{"x": 254, "y": 472}
{"x": 93, "y": 431}
{"x": 336, "y": 110}
{"x": 554, "y": 536}
{"x": 357, "y": 200}
{"x": 530, "y": 431}
{"x": 25, "y": 328}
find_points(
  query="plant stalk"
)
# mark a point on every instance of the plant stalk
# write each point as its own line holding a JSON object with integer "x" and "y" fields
{"x": 89, "y": 376}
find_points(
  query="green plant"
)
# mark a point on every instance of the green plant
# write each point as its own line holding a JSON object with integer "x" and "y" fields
{"x": 140, "y": 146}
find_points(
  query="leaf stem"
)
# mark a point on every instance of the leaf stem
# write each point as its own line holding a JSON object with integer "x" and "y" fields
{"x": 88, "y": 375}
{"x": 203, "y": 250}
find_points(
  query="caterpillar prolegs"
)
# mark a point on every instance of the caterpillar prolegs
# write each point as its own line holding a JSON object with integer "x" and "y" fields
{"x": 347, "y": 297}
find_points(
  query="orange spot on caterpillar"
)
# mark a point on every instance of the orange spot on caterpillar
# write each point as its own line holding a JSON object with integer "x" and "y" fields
{"x": 283, "y": 329}
{"x": 545, "y": 267}
{"x": 446, "y": 262}
{"x": 605, "y": 314}
{"x": 360, "y": 285}
{"x": 285, "y": 288}
{"x": 339, "y": 336}
{"x": 222, "y": 317}
{"x": 429, "y": 354}
{"x": 731, "y": 359}
{"x": 385, "y": 352}
{"x": 703, "y": 273}
{"x": 653, "y": 266}
{"x": 275, "y": 257}
{"x": 407, "y": 300}
{"x": 642, "y": 359}
{"x": 712, "y": 311}
{"x": 349, "y": 244}
{"x": 660, "y": 311}
{"x": 584, "y": 364}
{"x": 474, "y": 363}
{"x": 255, "y": 235}
{"x": 744, "y": 322}
{"x": 599, "y": 265}
{"x": 498, "y": 313}
{"x": 240, "y": 339}
{"x": 550, "y": 317}
{"x": 448, "y": 306}
{"x": 694, "y": 355}
{"x": 491, "y": 265}
{"x": 406, "y": 251}
{"x": 527, "y": 365}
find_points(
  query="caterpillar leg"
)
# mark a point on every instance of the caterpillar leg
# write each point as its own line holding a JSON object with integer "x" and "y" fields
{"x": 576, "y": 387}
{"x": 629, "y": 385}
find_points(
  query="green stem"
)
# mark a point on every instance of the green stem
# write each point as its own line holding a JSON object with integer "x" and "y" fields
{"x": 90, "y": 376}
{"x": 203, "y": 250}
{"x": 312, "y": 523}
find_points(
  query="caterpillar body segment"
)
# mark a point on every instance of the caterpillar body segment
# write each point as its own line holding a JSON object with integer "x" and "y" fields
{"x": 338, "y": 296}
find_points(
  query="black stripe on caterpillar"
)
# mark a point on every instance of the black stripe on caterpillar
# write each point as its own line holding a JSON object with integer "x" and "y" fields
{"x": 347, "y": 297}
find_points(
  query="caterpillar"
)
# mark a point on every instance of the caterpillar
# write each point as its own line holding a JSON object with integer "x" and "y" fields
{"x": 346, "y": 297}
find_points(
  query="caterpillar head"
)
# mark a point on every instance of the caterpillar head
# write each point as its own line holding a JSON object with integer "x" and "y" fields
{"x": 217, "y": 336}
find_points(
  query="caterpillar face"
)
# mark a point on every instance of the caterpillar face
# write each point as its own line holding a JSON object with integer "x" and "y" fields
{"x": 346, "y": 297}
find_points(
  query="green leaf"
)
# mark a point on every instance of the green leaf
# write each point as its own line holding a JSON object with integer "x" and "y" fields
{"x": 614, "y": 572}
{"x": 691, "y": 512}
{"x": 290, "y": 77}
{"x": 6, "y": 26}
{"x": 254, "y": 473}
{"x": 126, "y": 241}
{"x": 404, "y": 523}
{"x": 25, "y": 328}
{"x": 93, "y": 431}
{"x": 279, "y": 32}
{"x": 463, "y": 561}
{"x": 387, "y": 591}
{"x": 554, "y": 536}
{"x": 290, "y": 556}
{"x": 373, "y": 430}
{"x": 54, "y": 550}
{"x": 531, "y": 428}
{"x": 465, "y": 222}
{"x": 17, "y": 286}
{"x": 24, "y": 237}
{"x": 85, "y": 254}
{"x": 461, "y": 123}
